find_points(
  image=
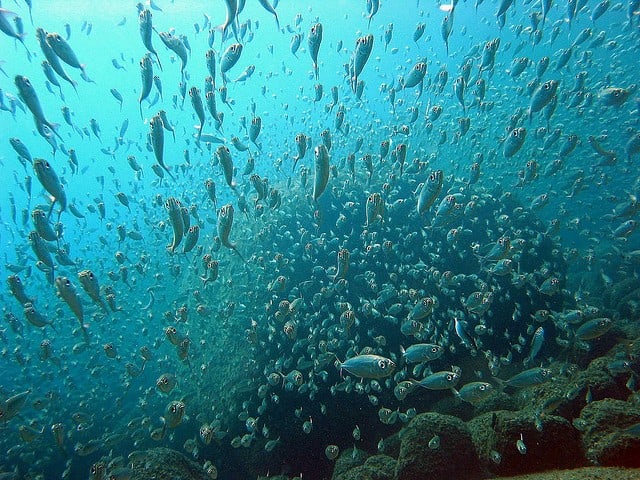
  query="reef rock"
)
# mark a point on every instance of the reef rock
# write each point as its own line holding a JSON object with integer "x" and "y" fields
{"x": 602, "y": 424}
{"x": 167, "y": 463}
{"x": 510, "y": 443}
{"x": 378, "y": 467}
{"x": 450, "y": 455}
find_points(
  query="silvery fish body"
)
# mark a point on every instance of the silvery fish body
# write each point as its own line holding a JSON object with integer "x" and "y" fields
{"x": 315, "y": 39}
{"x": 368, "y": 366}
{"x": 321, "y": 171}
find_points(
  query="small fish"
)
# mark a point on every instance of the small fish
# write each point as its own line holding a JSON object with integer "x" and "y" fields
{"x": 474, "y": 392}
{"x": 67, "y": 292}
{"x": 30, "y": 98}
{"x": 225, "y": 223}
{"x": 12, "y": 406}
{"x": 314, "y": 41}
{"x": 229, "y": 58}
{"x": 422, "y": 352}
{"x": 198, "y": 106}
{"x": 594, "y": 328}
{"x": 514, "y": 142}
{"x": 146, "y": 29}
{"x": 430, "y": 190}
{"x": 174, "y": 208}
{"x": 527, "y": 378}
{"x": 321, "y": 171}
{"x": 64, "y": 51}
{"x": 146, "y": 74}
{"x": 443, "y": 380}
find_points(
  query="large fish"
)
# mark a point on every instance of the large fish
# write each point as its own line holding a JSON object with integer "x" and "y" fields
{"x": 198, "y": 106}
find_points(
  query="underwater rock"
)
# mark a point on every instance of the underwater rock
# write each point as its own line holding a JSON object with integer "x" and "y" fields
{"x": 348, "y": 459}
{"x": 613, "y": 295}
{"x": 167, "y": 463}
{"x": 378, "y": 467}
{"x": 451, "y": 456}
{"x": 509, "y": 443}
{"x": 602, "y": 425}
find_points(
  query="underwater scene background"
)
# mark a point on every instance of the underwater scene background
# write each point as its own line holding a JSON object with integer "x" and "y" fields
{"x": 322, "y": 239}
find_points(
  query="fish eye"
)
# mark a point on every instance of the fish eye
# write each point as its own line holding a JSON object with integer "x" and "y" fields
{"x": 382, "y": 364}
{"x": 434, "y": 349}
{"x": 449, "y": 377}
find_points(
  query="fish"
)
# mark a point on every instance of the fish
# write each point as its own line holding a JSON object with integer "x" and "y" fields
{"x": 157, "y": 141}
{"x": 474, "y": 392}
{"x": 66, "y": 290}
{"x": 191, "y": 238}
{"x": 542, "y": 96}
{"x": 174, "y": 208}
{"x": 229, "y": 58}
{"x": 223, "y": 154}
{"x": 514, "y": 141}
{"x": 225, "y": 223}
{"x": 421, "y": 352}
{"x": 231, "y": 19}
{"x": 91, "y": 286}
{"x": 145, "y": 26}
{"x": 146, "y": 75}
{"x": 64, "y": 51}
{"x": 198, "y": 106}
{"x": 364, "y": 46}
{"x": 430, "y": 190}
{"x": 314, "y": 41}
{"x": 176, "y": 45}
{"x": 49, "y": 180}
{"x": 271, "y": 9}
{"x": 415, "y": 77}
{"x": 321, "y": 178}
{"x": 593, "y": 328}
{"x": 30, "y": 98}
{"x": 443, "y": 380}
{"x": 10, "y": 407}
{"x": 527, "y": 378}
{"x": 294, "y": 45}
{"x": 16, "y": 287}
{"x": 36, "y": 318}
{"x": 368, "y": 366}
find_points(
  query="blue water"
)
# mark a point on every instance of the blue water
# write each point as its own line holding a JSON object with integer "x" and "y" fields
{"x": 223, "y": 379}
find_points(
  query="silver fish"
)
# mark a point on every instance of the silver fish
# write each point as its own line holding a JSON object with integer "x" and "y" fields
{"x": 321, "y": 171}
{"x": 315, "y": 39}
{"x": 146, "y": 29}
{"x": 368, "y": 366}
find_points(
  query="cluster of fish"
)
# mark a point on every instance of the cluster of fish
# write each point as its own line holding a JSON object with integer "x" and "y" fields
{"x": 448, "y": 221}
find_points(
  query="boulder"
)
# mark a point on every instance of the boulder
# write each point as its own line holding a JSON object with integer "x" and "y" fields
{"x": 453, "y": 456}
{"x": 605, "y": 442}
{"x": 510, "y": 443}
{"x": 167, "y": 463}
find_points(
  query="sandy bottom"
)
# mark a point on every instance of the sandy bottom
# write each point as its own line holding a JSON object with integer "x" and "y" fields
{"x": 587, "y": 473}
